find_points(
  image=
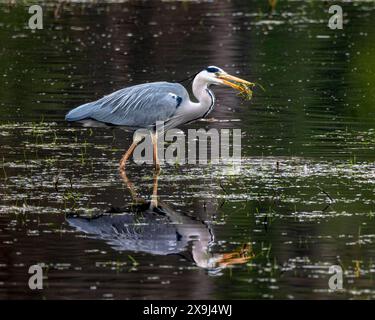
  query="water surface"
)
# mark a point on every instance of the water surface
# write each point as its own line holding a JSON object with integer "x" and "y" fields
{"x": 303, "y": 201}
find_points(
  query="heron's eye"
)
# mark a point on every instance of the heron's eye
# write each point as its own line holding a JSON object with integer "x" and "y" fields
{"x": 212, "y": 69}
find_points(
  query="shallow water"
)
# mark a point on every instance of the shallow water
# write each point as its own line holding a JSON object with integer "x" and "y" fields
{"x": 303, "y": 200}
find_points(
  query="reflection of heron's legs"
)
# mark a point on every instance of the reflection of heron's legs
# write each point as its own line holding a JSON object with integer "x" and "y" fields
{"x": 154, "y": 137}
{"x": 126, "y": 156}
{"x": 154, "y": 198}
{"x": 128, "y": 183}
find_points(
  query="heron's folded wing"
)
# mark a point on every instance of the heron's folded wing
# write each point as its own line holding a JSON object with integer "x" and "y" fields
{"x": 141, "y": 105}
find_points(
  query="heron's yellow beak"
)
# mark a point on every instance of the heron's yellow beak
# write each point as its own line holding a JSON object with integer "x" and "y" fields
{"x": 236, "y": 83}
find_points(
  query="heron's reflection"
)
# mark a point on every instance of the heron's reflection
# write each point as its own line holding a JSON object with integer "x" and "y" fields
{"x": 154, "y": 227}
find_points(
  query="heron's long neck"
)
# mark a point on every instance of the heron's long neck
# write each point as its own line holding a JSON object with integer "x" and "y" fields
{"x": 203, "y": 94}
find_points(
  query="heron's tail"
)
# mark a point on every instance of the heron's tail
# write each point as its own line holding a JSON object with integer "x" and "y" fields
{"x": 80, "y": 113}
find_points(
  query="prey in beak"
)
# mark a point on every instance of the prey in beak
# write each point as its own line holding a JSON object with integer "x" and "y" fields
{"x": 243, "y": 86}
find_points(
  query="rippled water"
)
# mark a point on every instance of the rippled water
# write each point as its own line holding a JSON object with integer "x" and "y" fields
{"x": 303, "y": 201}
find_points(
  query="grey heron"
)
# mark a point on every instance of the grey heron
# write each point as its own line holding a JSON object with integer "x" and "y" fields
{"x": 143, "y": 105}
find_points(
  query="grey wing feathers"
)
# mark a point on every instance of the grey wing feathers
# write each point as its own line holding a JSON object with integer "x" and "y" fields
{"x": 140, "y": 106}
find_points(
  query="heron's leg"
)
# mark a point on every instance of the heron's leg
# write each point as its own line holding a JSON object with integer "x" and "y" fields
{"x": 154, "y": 137}
{"x": 130, "y": 186}
{"x": 126, "y": 156}
{"x": 133, "y": 192}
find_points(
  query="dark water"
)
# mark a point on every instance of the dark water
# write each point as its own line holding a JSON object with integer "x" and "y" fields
{"x": 303, "y": 201}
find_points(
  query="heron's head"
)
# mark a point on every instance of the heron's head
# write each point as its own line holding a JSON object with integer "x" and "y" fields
{"x": 216, "y": 75}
